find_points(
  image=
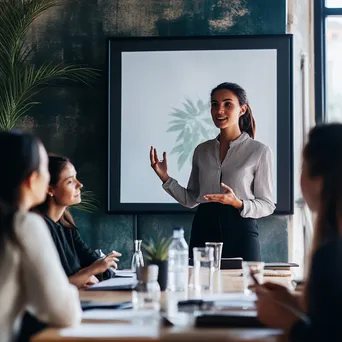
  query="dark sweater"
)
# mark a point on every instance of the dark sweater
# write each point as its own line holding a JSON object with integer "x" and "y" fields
{"x": 325, "y": 297}
{"x": 74, "y": 253}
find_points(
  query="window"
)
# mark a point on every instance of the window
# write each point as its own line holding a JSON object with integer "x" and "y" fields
{"x": 333, "y": 3}
{"x": 328, "y": 60}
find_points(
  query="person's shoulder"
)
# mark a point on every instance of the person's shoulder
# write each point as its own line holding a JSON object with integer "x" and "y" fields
{"x": 328, "y": 257}
{"x": 258, "y": 147}
{"x": 28, "y": 218}
{"x": 331, "y": 248}
{"x": 206, "y": 145}
{"x": 28, "y": 223}
{"x": 257, "y": 144}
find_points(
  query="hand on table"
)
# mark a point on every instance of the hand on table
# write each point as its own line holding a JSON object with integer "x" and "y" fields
{"x": 102, "y": 265}
{"x": 270, "y": 310}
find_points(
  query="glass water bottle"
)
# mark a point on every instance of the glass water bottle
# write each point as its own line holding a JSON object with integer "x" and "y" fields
{"x": 137, "y": 259}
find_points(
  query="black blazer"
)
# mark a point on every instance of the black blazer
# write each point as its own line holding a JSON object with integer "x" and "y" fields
{"x": 74, "y": 253}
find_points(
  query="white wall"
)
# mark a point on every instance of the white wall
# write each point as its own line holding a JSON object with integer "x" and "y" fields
{"x": 300, "y": 23}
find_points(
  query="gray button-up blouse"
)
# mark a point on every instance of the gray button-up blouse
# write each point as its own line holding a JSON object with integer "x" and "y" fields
{"x": 247, "y": 169}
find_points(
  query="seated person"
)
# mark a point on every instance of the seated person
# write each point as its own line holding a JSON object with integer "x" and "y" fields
{"x": 80, "y": 263}
{"x": 321, "y": 183}
{"x": 31, "y": 274}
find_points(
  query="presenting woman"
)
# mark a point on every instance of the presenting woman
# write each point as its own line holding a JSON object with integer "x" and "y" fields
{"x": 231, "y": 179}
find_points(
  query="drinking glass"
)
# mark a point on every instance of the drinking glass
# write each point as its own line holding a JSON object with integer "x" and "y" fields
{"x": 217, "y": 253}
{"x": 203, "y": 267}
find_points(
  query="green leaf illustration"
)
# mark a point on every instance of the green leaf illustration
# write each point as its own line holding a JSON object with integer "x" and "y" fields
{"x": 193, "y": 109}
{"x": 182, "y": 159}
{"x": 192, "y": 124}
{"x": 204, "y": 132}
{"x": 200, "y": 105}
{"x": 208, "y": 121}
{"x": 181, "y": 135}
{"x": 178, "y": 121}
{"x": 176, "y": 128}
{"x": 180, "y": 114}
{"x": 178, "y": 148}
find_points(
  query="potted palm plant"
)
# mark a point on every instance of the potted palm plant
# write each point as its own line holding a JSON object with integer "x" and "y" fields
{"x": 156, "y": 253}
{"x": 20, "y": 79}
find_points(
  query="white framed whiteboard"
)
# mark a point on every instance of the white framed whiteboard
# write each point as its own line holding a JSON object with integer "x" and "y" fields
{"x": 159, "y": 92}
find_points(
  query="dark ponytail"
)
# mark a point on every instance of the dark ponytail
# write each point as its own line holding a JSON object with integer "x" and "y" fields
{"x": 246, "y": 121}
{"x": 56, "y": 166}
{"x": 20, "y": 158}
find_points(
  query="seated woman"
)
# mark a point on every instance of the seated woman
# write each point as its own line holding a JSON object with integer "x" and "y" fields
{"x": 30, "y": 270}
{"x": 80, "y": 263}
{"x": 321, "y": 183}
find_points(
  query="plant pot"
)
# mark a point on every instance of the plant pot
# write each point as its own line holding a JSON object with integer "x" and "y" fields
{"x": 162, "y": 274}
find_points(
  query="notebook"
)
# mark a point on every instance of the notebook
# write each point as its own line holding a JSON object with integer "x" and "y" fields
{"x": 115, "y": 284}
{"x": 229, "y": 319}
{"x": 280, "y": 265}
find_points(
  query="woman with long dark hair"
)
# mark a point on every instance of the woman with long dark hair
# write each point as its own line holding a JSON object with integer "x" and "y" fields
{"x": 321, "y": 183}
{"x": 30, "y": 270}
{"x": 231, "y": 179}
{"x": 81, "y": 263}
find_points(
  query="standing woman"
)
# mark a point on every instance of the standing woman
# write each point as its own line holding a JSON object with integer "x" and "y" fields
{"x": 231, "y": 179}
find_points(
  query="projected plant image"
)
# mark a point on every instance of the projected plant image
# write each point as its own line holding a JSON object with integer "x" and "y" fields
{"x": 194, "y": 125}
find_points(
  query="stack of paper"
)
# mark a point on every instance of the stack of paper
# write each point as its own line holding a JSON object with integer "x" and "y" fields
{"x": 122, "y": 315}
{"x": 99, "y": 330}
{"x": 117, "y": 283}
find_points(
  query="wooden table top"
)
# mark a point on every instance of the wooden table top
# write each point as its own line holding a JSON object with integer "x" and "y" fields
{"x": 224, "y": 281}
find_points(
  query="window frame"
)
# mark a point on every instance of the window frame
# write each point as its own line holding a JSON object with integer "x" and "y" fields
{"x": 321, "y": 13}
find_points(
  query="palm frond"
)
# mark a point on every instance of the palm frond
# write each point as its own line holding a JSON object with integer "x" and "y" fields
{"x": 16, "y": 16}
{"x": 20, "y": 81}
{"x": 89, "y": 202}
{"x": 17, "y": 91}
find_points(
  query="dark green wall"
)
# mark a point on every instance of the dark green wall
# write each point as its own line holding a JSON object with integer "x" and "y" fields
{"x": 72, "y": 120}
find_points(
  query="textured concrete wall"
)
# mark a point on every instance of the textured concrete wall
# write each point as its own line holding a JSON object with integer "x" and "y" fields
{"x": 72, "y": 120}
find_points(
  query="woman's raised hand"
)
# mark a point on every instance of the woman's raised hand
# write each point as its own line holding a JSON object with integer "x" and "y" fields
{"x": 159, "y": 167}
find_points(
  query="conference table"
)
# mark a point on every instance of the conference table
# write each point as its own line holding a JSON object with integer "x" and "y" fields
{"x": 182, "y": 327}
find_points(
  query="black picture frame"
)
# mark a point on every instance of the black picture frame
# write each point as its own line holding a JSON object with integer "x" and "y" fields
{"x": 284, "y": 46}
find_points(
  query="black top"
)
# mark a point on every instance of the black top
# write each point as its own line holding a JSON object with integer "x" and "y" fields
{"x": 325, "y": 297}
{"x": 74, "y": 253}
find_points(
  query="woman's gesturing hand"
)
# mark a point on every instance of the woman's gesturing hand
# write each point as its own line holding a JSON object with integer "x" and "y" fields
{"x": 159, "y": 167}
{"x": 228, "y": 197}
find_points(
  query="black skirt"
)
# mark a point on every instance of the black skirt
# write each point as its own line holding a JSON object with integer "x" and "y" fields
{"x": 216, "y": 222}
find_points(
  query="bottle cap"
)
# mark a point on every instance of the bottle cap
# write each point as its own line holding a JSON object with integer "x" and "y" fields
{"x": 153, "y": 272}
{"x": 178, "y": 228}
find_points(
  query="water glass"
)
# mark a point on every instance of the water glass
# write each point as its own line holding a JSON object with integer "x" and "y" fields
{"x": 217, "y": 253}
{"x": 203, "y": 267}
{"x": 257, "y": 267}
